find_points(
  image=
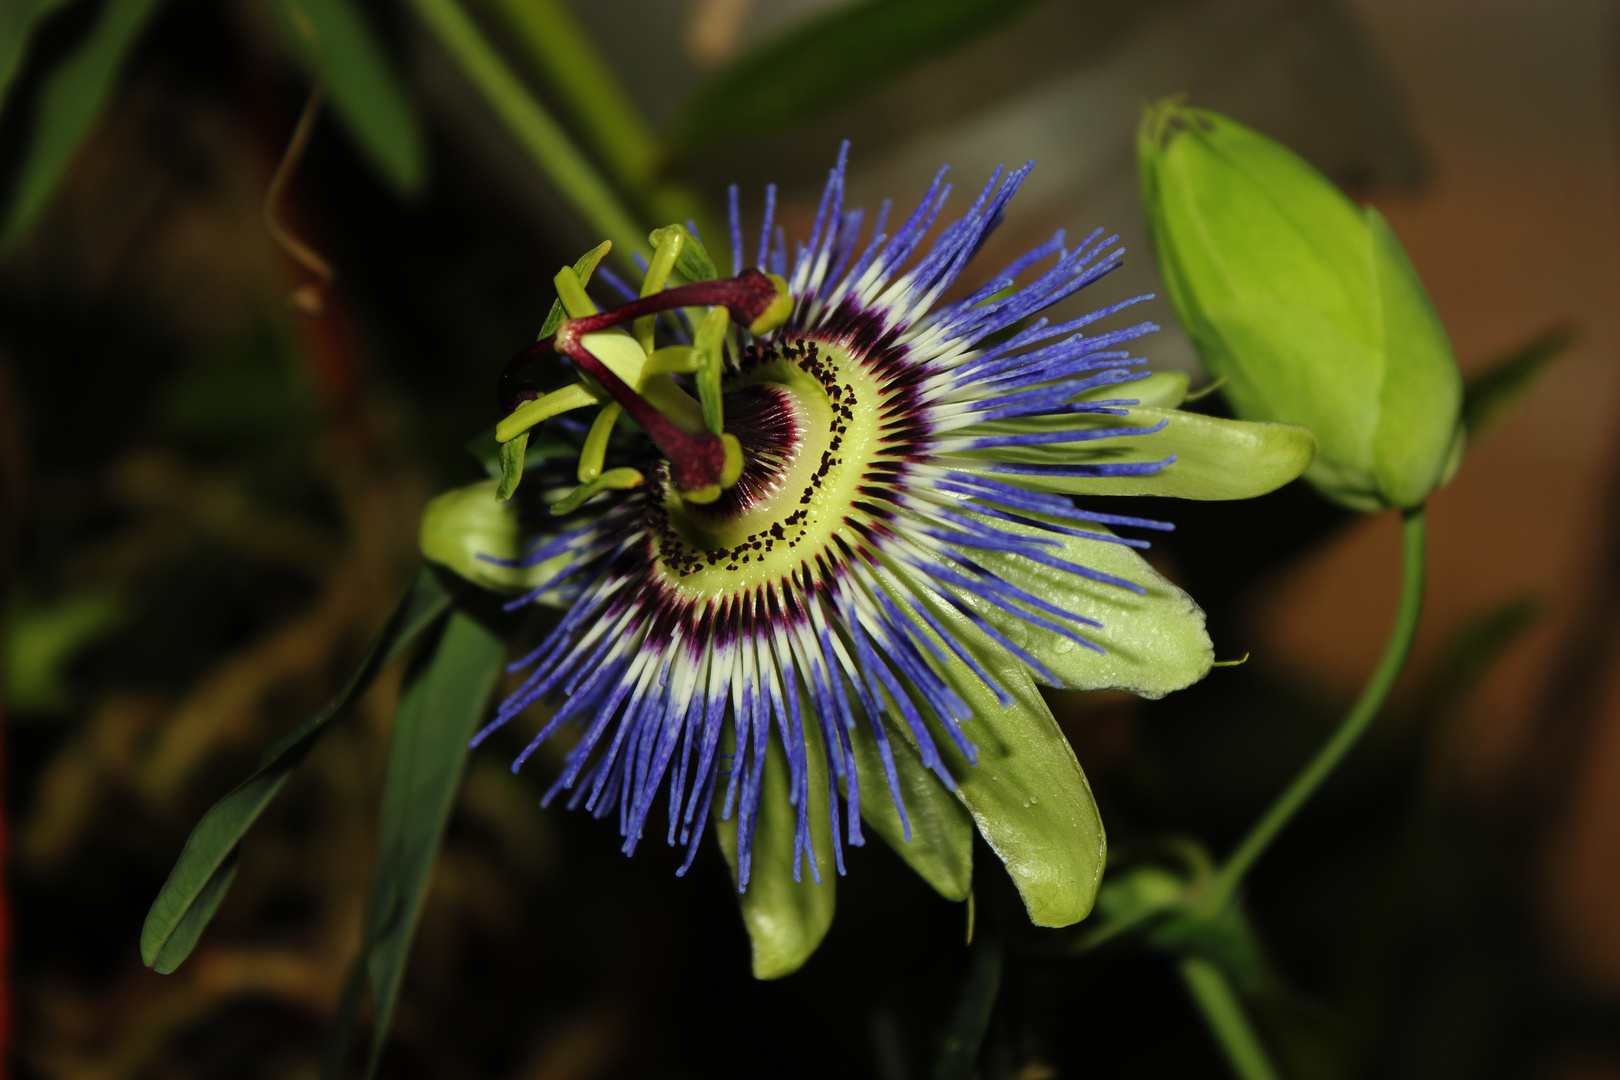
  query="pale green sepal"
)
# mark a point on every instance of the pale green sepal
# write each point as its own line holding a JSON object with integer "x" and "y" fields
{"x": 1153, "y": 643}
{"x": 462, "y": 524}
{"x": 1160, "y": 390}
{"x": 1215, "y": 458}
{"x": 786, "y": 919}
{"x": 692, "y": 262}
{"x": 1420, "y": 402}
{"x": 512, "y": 453}
{"x": 941, "y": 846}
{"x": 1027, "y": 794}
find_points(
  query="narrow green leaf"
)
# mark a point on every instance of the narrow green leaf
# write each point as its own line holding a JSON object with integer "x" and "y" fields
{"x": 941, "y": 846}
{"x": 369, "y": 98}
{"x": 1489, "y": 396}
{"x": 1152, "y": 643}
{"x": 73, "y": 96}
{"x": 970, "y": 1020}
{"x": 427, "y": 751}
{"x": 17, "y": 21}
{"x": 829, "y": 59}
{"x": 206, "y": 864}
{"x": 1027, "y": 794}
{"x": 341, "y": 1034}
{"x": 1215, "y": 458}
{"x": 786, "y": 919}
{"x": 1472, "y": 653}
{"x": 197, "y": 916}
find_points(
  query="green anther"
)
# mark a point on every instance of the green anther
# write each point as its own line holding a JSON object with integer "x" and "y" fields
{"x": 612, "y": 480}
{"x": 571, "y": 291}
{"x": 595, "y": 453}
{"x": 530, "y": 413}
{"x": 711, "y": 336}
{"x": 584, "y": 267}
{"x": 658, "y": 271}
{"x": 693, "y": 262}
{"x": 672, "y": 360}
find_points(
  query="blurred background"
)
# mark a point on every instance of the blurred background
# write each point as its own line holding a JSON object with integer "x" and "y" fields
{"x": 212, "y": 460}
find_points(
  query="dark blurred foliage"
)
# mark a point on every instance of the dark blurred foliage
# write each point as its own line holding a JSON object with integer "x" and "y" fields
{"x": 209, "y": 504}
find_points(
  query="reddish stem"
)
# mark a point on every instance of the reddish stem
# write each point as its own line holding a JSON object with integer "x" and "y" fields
{"x": 747, "y": 296}
{"x": 695, "y": 461}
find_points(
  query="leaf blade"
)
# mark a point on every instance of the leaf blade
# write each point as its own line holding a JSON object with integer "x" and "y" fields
{"x": 427, "y": 753}
{"x": 368, "y": 96}
{"x": 71, "y": 99}
{"x": 1489, "y": 396}
{"x": 206, "y": 863}
{"x": 827, "y": 60}
{"x": 17, "y": 22}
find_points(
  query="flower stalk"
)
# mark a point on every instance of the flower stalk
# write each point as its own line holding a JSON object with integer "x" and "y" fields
{"x": 1227, "y": 1020}
{"x": 1414, "y": 543}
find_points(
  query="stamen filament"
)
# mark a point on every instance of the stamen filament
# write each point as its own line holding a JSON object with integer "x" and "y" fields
{"x": 672, "y": 360}
{"x": 594, "y": 455}
{"x": 658, "y": 271}
{"x": 530, "y": 413}
{"x": 613, "y": 479}
{"x": 711, "y": 337}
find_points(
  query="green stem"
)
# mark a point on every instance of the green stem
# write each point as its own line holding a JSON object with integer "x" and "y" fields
{"x": 584, "y": 81}
{"x": 533, "y": 126}
{"x": 1227, "y": 1021}
{"x": 582, "y": 77}
{"x": 1414, "y": 536}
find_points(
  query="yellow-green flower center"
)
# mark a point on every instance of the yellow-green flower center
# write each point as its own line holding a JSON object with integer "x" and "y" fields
{"x": 808, "y": 416}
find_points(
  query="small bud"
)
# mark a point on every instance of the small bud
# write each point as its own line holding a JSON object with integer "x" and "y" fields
{"x": 1304, "y": 306}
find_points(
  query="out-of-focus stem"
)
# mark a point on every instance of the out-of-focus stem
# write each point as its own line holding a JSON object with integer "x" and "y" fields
{"x": 538, "y": 132}
{"x": 1414, "y": 542}
{"x": 591, "y": 92}
{"x": 1223, "y": 1012}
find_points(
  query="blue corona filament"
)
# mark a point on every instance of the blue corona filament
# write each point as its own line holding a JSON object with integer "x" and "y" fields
{"x": 679, "y": 691}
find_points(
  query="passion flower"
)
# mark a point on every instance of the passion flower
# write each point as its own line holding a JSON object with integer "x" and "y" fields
{"x": 844, "y": 550}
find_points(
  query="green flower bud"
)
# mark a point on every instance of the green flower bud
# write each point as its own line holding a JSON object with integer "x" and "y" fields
{"x": 1304, "y": 306}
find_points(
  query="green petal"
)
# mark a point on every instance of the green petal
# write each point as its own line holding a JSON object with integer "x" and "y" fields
{"x": 461, "y": 526}
{"x": 1152, "y": 643}
{"x": 941, "y": 846}
{"x": 1160, "y": 390}
{"x": 1027, "y": 793}
{"x": 786, "y": 919}
{"x": 1215, "y": 458}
